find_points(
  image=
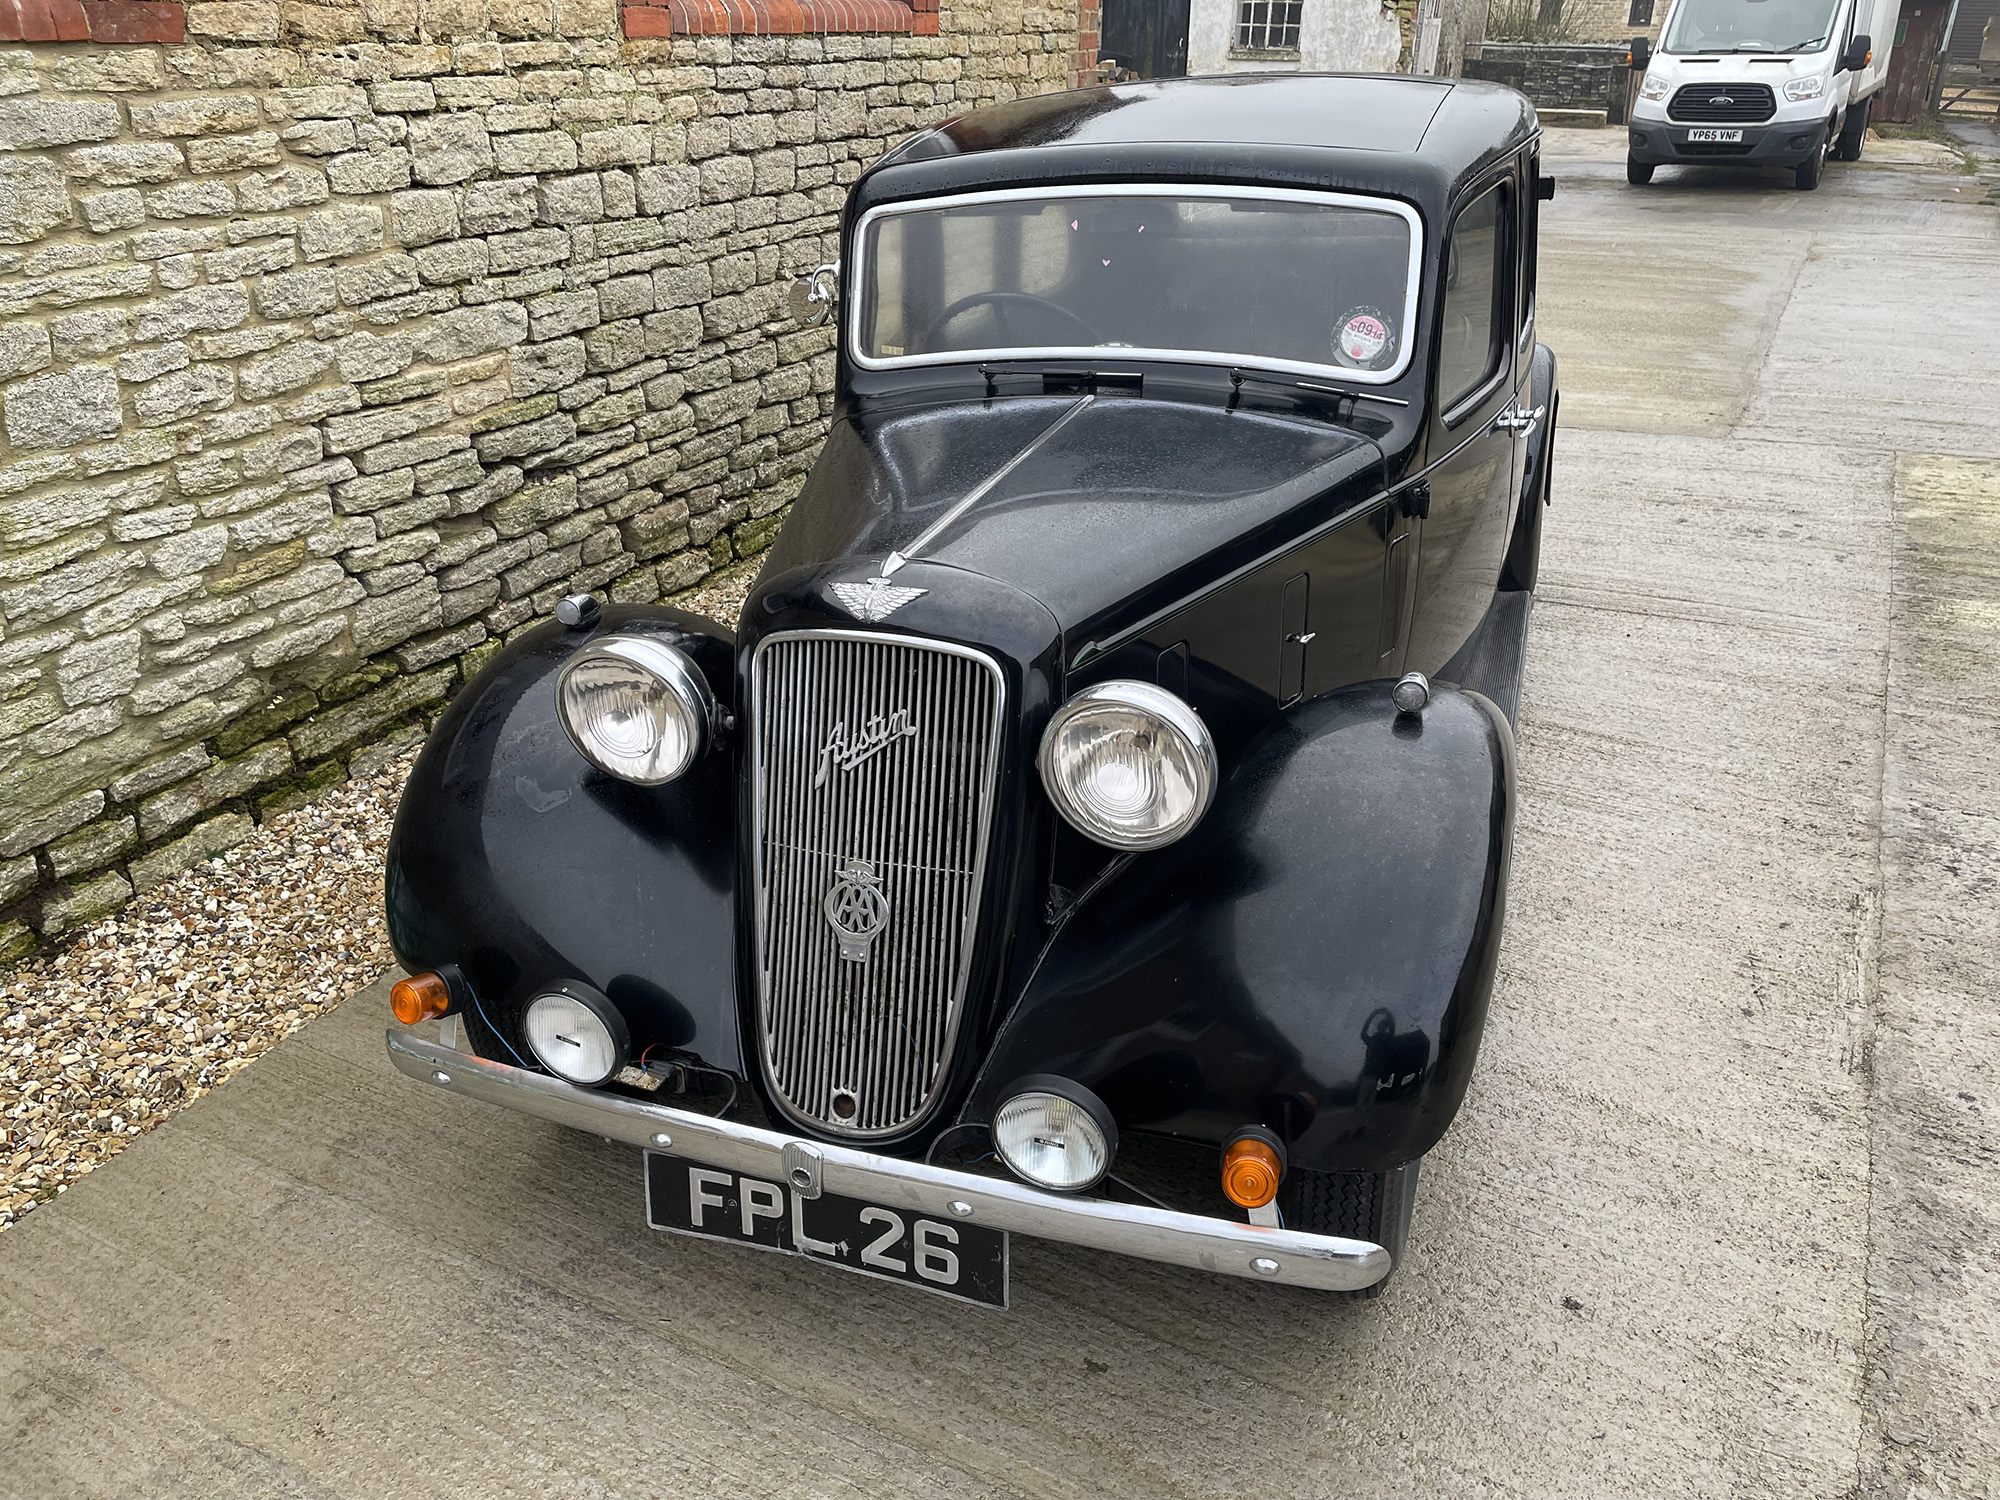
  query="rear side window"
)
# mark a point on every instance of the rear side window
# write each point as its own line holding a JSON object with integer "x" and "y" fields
{"x": 1478, "y": 273}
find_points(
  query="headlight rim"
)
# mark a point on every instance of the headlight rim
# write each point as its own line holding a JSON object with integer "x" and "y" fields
{"x": 672, "y": 667}
{"x": 600, "y": 1006}
{"x": 1070, "y": 1091}
{"x": 1132, "y": 694}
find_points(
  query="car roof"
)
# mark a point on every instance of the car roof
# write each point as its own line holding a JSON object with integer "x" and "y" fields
{"x": 1417, "y": 138}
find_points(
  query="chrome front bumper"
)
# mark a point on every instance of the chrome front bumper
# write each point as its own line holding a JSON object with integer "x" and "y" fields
{"x": 1320, "y": 1261}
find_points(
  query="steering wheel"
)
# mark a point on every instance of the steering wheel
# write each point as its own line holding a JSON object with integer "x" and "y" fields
{"x": 1004, "y": 299}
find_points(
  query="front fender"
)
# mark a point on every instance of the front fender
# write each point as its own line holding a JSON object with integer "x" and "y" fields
{"x": 517, "y": 860}
{"x": 1316, "y": 957}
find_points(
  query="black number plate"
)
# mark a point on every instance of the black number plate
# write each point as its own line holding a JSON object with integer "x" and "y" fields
{"x": 960, "y": 1260}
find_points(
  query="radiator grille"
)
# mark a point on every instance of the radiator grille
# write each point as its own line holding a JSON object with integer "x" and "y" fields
{"x": 874, "y": 771}
{"x": 1722, "y": 104}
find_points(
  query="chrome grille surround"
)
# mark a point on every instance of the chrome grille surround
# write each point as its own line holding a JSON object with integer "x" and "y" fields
{"x": 917, "y": 815}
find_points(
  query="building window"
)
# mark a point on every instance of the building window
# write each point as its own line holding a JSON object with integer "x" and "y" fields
{"x": 1268, "y": 25}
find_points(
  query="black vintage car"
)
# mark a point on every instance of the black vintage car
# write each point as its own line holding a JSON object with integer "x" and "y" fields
{"x": 1097, "y": 826}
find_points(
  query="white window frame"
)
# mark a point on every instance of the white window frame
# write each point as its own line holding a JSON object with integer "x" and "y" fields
{"x": 1246, "y": 28}
{"x": 1220, "y": 192}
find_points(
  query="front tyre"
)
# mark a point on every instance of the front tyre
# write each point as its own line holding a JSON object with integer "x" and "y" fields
{"x": 1373, "y": 1206}
{"x": 1637, "y": 172}
{"x": 1806, "y": 175}
{"x": 1854, "y": 131}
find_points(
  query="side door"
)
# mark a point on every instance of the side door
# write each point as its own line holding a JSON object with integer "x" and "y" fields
{"x": 1469, "y": 516}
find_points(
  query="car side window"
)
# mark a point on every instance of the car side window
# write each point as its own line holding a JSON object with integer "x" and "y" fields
{"x": 1478, "y": 274}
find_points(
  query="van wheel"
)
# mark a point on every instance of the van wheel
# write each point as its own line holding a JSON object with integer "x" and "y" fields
{"x": 1637, "y": 172}
{"x": 1373, "y": 1206}
{"x": 1806, "y": 175}
{"x": 1854, "y": 132}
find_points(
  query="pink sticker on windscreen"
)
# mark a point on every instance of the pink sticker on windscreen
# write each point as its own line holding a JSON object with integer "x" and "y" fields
{"x": 1363, "y": 339}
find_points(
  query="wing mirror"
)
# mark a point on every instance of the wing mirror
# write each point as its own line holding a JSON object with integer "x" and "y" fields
{"x": 1639, "y": 54}
{"x": 812, "y": 297}
{"x": 1858, "y": 53}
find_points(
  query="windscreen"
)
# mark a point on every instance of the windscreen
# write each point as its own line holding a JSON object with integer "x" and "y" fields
{"x": 1284, "y": 280}
{"x": 1751, "y": 26}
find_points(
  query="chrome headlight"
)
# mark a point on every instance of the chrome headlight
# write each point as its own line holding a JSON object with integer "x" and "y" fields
{"x": 1055, "y": 1133}
{"x": 1128, "y": 764}
{"x": 1806, "y": 88}
{"x": 635, "y": 707}
{"x": 578, "y": 1037}
{"x": 1653, "y": 88}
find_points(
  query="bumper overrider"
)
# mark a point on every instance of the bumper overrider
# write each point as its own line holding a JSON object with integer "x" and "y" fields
{"x": 1781, "y": 143}
{"x": 1322, "y": 1262}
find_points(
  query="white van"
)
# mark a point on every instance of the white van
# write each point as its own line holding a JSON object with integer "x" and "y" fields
{"x": 1760, "y": 83}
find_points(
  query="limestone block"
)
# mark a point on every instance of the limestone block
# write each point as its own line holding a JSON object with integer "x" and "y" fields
{"x": 183, "y": 854}
{"x": 90, "y": 848}
{"x": 17, "y": 878}
{"x": 454, "y": 261}
{"x": 160, "y": 693}
{"x": 505, "y": 203}
{"x": 469, "y": 331}
{"x": 369, "y": 171}
{"x": 234, "y": 20}
{"x": 285, "y": 453}
{"x": 355, "y": 721}
{"x": 35, "y": 124}
{"x": 190, "y": 551}
{"x": 76, "y": 906}
{"x": 206, "y": 199}
{"x": 200, "y": 309}
{"x": 296, "y": 293}
{"x": 449, "y": 148}
{"x": 21, "y": 835}
{"x": 325, "y": 101}
{"x": 621, "y": 146}
{"x": 59, "y": 411}
{"x": 215, "y": 115}
{"x": 235, "y": 152}
{"x": 423, "y": 217}
{"x": 347, "y": 434}
{"x": 562, "y": 312}
{"x": 175, "y": 397}
{"x": 120, "y": 209}
{"x": 100, "y": 670}
{"x": 33, "y": 199}
{"x": 292, "y": 645}
{"x": 289, "y": 187}
{"x": 127, "y": 163}
{"x": 351, "y": 230}
{"x": 319, "y": 137}
{"x": 152, "y": 776}
{"x": 402, "y": 96}
{"x": 531, "y": 247}
{"x": 24, "y": 349}
{"x": 577, "y": 199}
{"x": 541, "y": 151}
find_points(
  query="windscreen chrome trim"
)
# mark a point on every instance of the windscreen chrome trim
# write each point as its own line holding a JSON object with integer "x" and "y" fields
{"x": 861, "y": 254}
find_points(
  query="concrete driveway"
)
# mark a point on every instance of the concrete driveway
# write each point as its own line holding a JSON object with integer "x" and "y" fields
{"x": 1718, "y": 1219}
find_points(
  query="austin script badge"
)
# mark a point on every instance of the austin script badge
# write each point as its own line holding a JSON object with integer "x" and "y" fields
{"x": 856, "y": 908}
{"x": 844, "y": 752}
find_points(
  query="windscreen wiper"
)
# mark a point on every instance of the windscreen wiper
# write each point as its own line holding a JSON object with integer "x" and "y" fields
{"x": 1066, "y": 382}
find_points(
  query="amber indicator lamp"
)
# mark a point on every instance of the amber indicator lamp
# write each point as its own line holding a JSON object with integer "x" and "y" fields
{"x": 1251, "y": 1171}
{"x": 421, "y": 997}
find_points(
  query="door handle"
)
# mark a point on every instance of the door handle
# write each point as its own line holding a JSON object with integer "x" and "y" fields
{"x": 1513, "y": 419}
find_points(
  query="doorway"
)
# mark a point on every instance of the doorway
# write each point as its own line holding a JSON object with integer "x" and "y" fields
{"x": 1148, "y": 38}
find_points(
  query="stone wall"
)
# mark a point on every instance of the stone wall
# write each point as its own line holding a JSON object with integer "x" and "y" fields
{"x": 1558, "y": 75}
{"x": 338, "y": 341}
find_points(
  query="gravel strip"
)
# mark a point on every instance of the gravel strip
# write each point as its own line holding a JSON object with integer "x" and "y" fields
{"x": 107, "y": 1036}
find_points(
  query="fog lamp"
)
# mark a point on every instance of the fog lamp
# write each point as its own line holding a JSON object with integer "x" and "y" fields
{"x": 635, "y": 707}
{"x": 577, "y": 1035}
{"x": 1055, "y": 1133}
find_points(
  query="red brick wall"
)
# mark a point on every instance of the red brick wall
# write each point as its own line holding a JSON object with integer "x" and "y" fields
{"x": 111, "y": 21}
{"x": 662, "y": 18}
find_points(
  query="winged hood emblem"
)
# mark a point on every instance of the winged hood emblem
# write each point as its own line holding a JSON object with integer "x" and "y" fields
{"x": 875, "y": 600}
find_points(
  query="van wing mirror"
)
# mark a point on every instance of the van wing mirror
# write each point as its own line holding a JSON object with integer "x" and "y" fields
{"x": 1639, "y": 54}
{"x": 1859, "y": 51}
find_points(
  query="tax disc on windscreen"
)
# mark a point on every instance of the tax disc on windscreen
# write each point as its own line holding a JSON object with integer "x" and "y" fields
{"x": 1365, "y": 339}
